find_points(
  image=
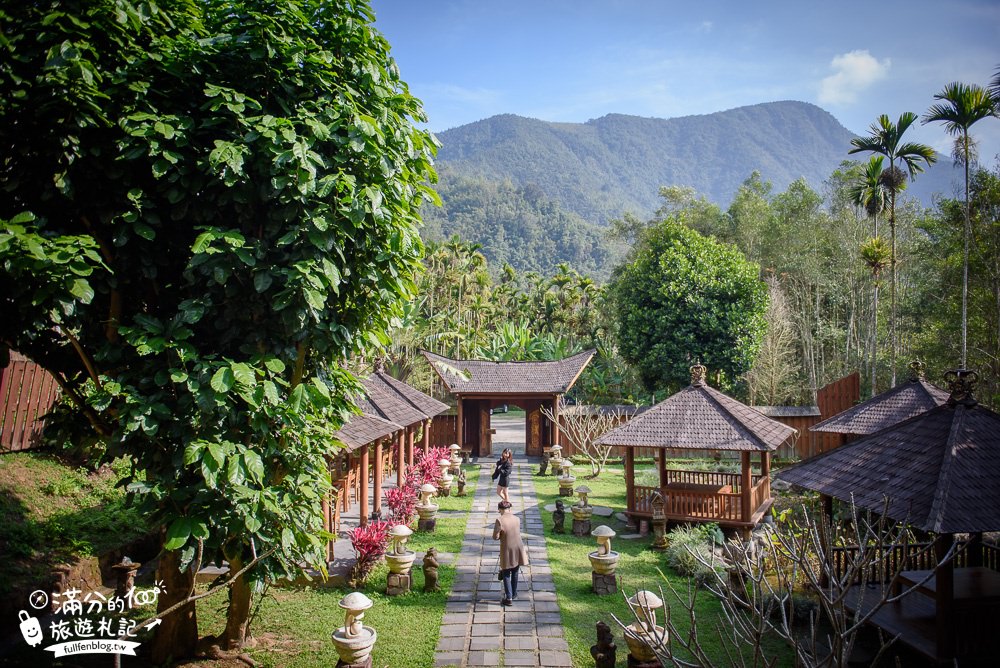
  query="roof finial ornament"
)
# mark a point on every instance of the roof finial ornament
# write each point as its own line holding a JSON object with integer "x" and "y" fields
{"x": 961, "y": 384}
{"x": 916, "y": 370}
{"x": 379, "y": 365}
{"x": 698, "y": 372}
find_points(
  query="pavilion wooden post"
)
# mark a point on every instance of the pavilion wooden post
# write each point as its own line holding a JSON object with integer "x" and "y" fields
{"x": 661, "y": 460}
{"x": 410, "y": 435}
{"x": 459, "y": 431}
{"x": 377, "y": 476}
{"x": 746, "y": 484}
{"x": 630, "y": 479}
{"x": 945, "y": 592}
{"x": 555, "y": 420}
{"x": 363, "y": 478}
{"x": 400, "y": 458}
{"x": 427, "y": 436}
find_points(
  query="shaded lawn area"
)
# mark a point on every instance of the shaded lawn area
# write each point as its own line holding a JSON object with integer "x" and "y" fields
{"x": 294, "y": 625}
{"x": 639, "y": 567}
{"x": 55, "y": 513}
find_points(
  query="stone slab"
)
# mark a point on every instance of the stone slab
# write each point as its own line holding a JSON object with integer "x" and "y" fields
{"x": 549, "y": 642}
{"x": 526, "y": 629}
{"x": 520, "y": 659}
{"x": 520, "y": 642}
{"x": 485, "y": 643}
{"x": 603, "y": 511}
{"x": 481, "y": 658}
{"x": 448, "y": 658}
{"x": 555, "y": 659}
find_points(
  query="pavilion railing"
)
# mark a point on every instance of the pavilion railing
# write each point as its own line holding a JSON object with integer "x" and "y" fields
{"x": 890, "y": 559}
{"x": 719, "y": 499}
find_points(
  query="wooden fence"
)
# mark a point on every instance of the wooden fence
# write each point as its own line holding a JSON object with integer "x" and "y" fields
{"x": 27, "y": 392}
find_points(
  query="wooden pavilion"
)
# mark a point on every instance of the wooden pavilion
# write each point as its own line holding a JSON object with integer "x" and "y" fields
{"x": 909, "y": 398}
{"x": 938, "y": 472}
{"x": 379, "y": 440}
{"x": 480, "y": 385}
{"x": 702, "y": 418}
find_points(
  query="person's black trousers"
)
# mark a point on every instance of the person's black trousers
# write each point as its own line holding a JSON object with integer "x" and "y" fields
{"x": 509, "y": 577}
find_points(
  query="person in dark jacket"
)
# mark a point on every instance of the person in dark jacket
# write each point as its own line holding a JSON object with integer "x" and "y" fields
{"x": 513, "y": 554}
{"x": 501, "y": 473}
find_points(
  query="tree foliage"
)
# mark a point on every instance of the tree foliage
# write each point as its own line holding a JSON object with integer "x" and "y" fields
{"x": 684, "y": 297}
{"x": 206, "y": 205}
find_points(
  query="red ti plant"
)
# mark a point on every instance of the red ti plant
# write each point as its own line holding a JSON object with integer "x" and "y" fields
{"x": 402, "y": 503}
{"x": 370, "y": 543}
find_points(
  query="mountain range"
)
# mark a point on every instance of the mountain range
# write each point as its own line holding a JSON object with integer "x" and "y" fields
{"x": 572, "y": 178}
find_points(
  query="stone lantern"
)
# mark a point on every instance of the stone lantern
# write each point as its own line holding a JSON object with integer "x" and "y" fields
{"x": 354, "y": 640}
{"x": 555, "y": 459}
{"x": 444, "y": 483}
{"x": 659, "y": 522}
{"x": 400, "y": 560}
{"x": 125, "y": 574}
{"x": 604, "y": 561}
{"x": 582, "y": 512}
{"x": 426, "y": 510}
{"x": 566, "y": 480}
{"x": 643, "y": 634}
{"x": 456, "y": 458}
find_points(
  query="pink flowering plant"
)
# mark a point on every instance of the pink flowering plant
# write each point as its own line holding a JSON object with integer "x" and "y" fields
{"x": 370, "y": 543}
{"x": 402, "y": 502}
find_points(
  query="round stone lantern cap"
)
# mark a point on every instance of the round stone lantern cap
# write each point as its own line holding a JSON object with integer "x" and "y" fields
{"x": 400, "y": 531}
{"x": 583, "y": 489}
{"x": 645, "y": 599}
{"x": 556, "y": 448}
{"x": 427, "y": 488}
{"x": 603, "y": 531}
{"x": 454, "y": 447}
{"x": 355, "y": 601}
{"x": 444, "y": 462}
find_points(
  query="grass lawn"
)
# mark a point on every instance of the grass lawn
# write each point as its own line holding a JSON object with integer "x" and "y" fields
{"x": 294, "y": 625}
{"x": 54, "y": 513}
{"x": 639, "y": 567}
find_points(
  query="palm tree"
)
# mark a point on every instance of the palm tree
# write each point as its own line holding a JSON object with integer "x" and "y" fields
{"x": 869, "y": 192}
{"x": 885, "y": 138}
{"x": 962, "y": 105}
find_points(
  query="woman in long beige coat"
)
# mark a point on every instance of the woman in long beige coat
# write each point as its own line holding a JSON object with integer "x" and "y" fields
{"x": 513, "y": 554}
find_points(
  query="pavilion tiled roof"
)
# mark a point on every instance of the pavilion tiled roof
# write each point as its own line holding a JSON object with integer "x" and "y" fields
{"x": 360, "y": 430}
{"x": 939, "y": 470}
{"x": 387, "y": 405}
{"x": 909, "y": 398}
{"x": 386, "y": 397}
{"x": 486, "y": 377}
{"x": 702, "y": 418}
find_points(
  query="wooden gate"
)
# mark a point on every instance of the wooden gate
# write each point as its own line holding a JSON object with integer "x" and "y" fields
{"x": 27, "y": 392}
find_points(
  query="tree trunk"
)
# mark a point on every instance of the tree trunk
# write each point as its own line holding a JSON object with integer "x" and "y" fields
{"x": 177, "y": 635}
{"x": 238, "y": 617}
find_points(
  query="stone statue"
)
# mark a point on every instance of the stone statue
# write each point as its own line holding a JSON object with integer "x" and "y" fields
{"x": 605, "y": 651}
{"x": 461, "y": 483}
{"x": 544, "y": 465}
{"x": 431, "y": 570}
{"x": 559, "y": 518}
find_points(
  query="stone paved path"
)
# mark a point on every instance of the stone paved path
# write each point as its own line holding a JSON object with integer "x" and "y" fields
{"x": 476, "y": 630}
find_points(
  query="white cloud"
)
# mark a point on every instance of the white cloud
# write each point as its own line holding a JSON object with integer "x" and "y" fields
{"x": 853, "y": 72}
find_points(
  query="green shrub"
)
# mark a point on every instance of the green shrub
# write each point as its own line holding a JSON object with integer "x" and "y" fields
{"x": 689, "y": 549}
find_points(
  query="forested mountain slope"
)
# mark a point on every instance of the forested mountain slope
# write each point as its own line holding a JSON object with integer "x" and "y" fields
{"x": 564, "y": 181}
{"x": 604, "y": 166}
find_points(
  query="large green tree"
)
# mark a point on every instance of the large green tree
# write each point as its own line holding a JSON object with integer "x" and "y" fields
{"x": 206, "y": 205}
{"x": 960, "y": 107}
{"x": 683, "y": 297}
{"x": 886, "y": 138}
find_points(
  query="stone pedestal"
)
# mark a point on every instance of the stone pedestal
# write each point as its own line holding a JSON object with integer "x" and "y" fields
{"x": 565, "y": 491}
{"x": 636, "y": 663}
{"x": 427, "y": 525}
{"x": 604, "y": 584}
{"x": 367, "y": 663}
{"x": 397, "y": 583}
{"x": 581, "y": 527}
{"x": 444, "y": 491}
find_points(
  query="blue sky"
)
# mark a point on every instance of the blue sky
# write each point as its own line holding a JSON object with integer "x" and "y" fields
{"x": 560, "y": 60}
